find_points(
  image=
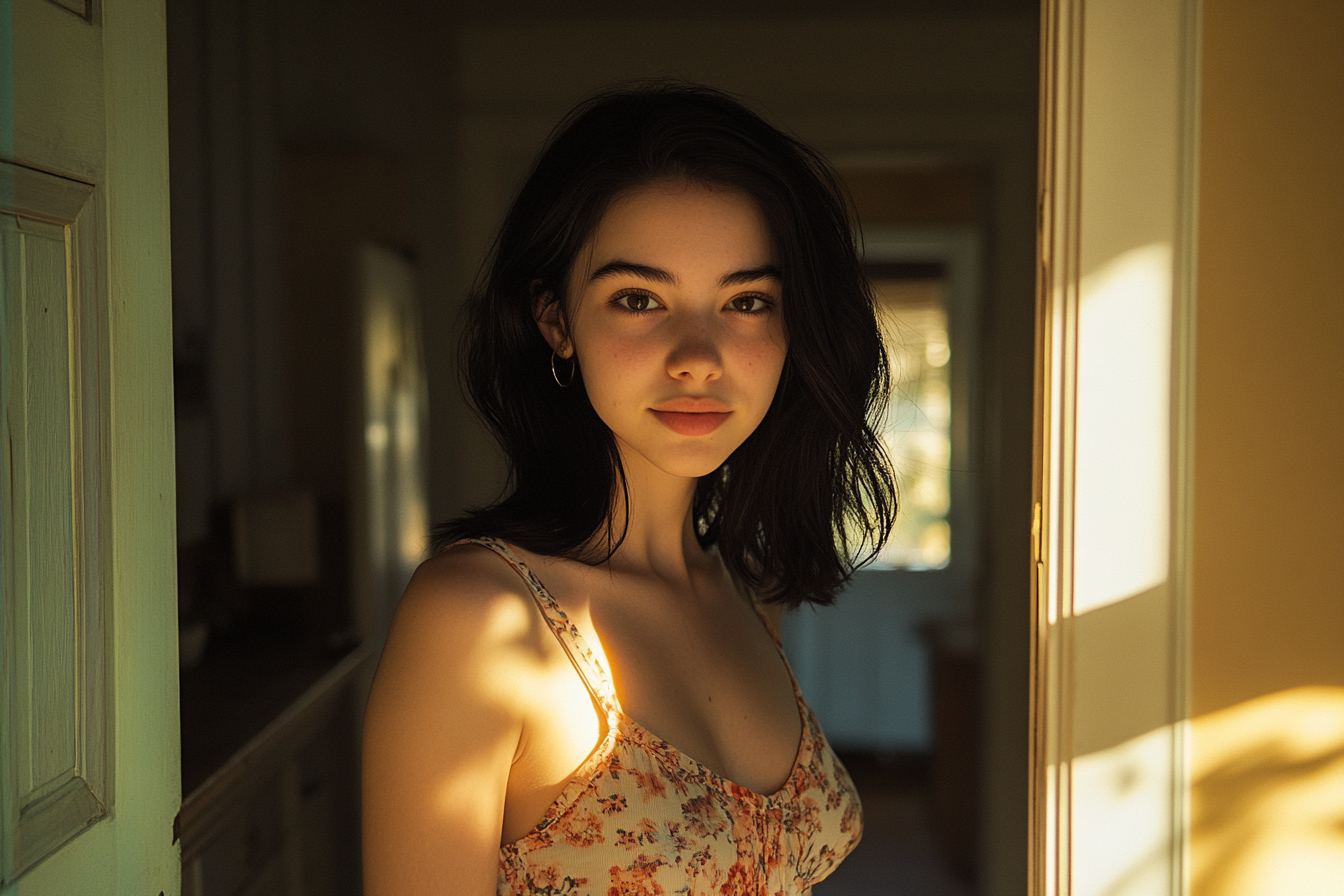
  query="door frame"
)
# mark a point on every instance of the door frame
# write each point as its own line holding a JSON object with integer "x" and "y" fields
{"x": 1071, "y": 69}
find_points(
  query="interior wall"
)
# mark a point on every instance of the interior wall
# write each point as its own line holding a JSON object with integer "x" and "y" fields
{"x": 373, "y": 80}
{"x": 231, "y": 410}
{"x": 1268, "y": 618}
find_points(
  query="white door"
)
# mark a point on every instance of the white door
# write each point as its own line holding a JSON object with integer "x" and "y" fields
{"x": 89, "y": 770}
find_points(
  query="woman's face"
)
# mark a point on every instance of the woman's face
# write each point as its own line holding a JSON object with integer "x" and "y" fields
{"x": 675, "y": 317}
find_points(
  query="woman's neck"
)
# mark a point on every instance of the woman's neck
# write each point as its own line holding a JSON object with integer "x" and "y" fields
{"x": 659, "y": 531}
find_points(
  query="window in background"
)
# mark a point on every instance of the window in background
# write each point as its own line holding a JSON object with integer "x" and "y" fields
{"x": 917, "y": 431}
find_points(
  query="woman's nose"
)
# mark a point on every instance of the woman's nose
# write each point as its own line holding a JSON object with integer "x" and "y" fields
{"x": 695, "y": 354}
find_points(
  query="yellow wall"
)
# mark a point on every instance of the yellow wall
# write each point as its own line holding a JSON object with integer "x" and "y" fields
{"x": 1268, "y": 619}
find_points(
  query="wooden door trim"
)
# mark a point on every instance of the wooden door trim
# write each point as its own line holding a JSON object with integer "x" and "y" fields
{"x": 1058, "y": 213}
{"x": 1059, "y": 273}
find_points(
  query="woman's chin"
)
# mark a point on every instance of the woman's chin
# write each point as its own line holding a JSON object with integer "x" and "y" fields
{"x": 684, "y": 462}
{"x": 691, "y": 467}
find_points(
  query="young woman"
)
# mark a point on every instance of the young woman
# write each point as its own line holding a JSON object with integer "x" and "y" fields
{"x": 676, "y": 348}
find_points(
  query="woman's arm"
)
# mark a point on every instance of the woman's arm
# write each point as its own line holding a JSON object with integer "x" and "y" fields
{"x": 441, "y": 730}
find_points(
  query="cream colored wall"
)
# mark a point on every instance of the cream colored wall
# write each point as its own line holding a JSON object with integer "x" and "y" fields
{"x": 1268, "y": 562}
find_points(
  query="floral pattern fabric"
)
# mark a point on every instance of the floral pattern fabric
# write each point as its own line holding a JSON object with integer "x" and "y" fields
{"x": 640, "y": 818}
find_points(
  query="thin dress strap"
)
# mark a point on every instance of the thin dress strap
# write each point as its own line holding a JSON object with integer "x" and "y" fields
{"x": 589, "y": 667}
{"x": 779, "y": 645}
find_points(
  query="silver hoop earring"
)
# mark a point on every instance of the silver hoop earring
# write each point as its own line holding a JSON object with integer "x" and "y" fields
{"x": 573, "y": 366}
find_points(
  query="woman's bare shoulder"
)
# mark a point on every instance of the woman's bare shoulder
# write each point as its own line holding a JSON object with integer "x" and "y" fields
{"x": 463, "y": 582}
{"x": 443, "y": 725}
{"x": 465, "y": 573}
{"x": 452, "y": 671}
{"x": 462, "y": 606}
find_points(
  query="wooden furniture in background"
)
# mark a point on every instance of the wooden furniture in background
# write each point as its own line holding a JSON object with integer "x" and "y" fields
{"x": 278, "y": 817}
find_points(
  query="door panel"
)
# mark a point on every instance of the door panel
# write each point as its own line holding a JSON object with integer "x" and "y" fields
{"x": 53, "y": 632}
{"x": 89, "y": 768}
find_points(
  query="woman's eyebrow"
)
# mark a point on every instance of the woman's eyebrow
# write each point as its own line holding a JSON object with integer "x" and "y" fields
{"x": 611, "y": 268}
{"x": 751, "y": 275}
{"x": 658, "y": 275}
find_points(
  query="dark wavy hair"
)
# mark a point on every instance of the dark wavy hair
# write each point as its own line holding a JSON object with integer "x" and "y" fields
{"x": 809, "y": 495}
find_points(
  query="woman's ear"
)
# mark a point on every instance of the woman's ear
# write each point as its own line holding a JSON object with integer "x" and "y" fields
{"x": 550, "y": 317}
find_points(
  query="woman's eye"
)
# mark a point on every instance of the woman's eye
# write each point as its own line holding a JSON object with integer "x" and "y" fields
{"x": 749, "y": 304}
{"x": 637, "y": 301}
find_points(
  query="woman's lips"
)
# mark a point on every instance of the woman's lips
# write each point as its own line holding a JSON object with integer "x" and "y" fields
{"x": 692, "y": 423}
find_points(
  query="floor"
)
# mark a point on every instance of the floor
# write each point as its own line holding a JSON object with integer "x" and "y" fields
{"x": 897, "y": 856}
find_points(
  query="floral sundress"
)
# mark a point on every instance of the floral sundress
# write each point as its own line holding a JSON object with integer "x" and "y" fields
{"x": 640, "y": 818}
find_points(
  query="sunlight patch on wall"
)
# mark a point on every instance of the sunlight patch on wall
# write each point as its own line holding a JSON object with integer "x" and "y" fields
{"x": 1267, "y": 796}
{"x": 1122, "y": 814}
{"x": 1123, "y": 428}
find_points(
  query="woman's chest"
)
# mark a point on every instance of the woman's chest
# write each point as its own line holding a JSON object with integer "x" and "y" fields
{"x": 642, "y": 817}
{"x": 710, "y": 685}
{"x": 700, "y": 673}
